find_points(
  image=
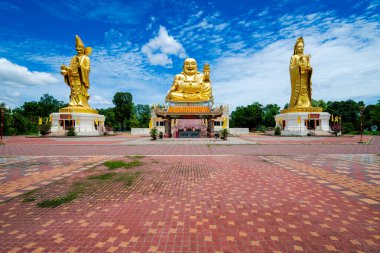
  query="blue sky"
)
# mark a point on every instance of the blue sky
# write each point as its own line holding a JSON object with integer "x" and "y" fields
{"x": 138, "y": 47}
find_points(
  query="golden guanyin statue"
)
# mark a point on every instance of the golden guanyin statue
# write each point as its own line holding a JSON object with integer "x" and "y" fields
{"x": 190, "y": 85}
{"x": 300, "y": 78}
{"x": 76, "y": 76}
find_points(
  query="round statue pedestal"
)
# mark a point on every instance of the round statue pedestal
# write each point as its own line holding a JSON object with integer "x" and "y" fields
{"x": 302, "y": 123}
{"x": 86, "y": 124}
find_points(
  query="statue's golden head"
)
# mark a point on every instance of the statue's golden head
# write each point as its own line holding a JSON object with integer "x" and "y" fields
{"x": 79, "y": 46}
{"x": 190, "y": 66}
{"x": 299, "y": 46}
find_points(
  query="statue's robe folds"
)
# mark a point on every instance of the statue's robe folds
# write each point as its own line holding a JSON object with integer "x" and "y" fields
{"x": 78, "y": 80}
{"x": 301, "y": 83}
{"x": 184, "y": 90}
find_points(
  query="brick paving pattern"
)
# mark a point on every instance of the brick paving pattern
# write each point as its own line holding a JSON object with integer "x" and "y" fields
{"x": 192, "y": 198}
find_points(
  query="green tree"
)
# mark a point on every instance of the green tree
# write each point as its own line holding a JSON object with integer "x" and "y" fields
{"x": 111, "y": 121}
{"x": 247, "y": 116}
{"x": 319, "y": 103}
{"x": 269, "y": 111}
{"x": 8, "y": 128}
{"x": 48, "y": 104}
{"x": 142, "y": 114}
{"x": 123, "y": 109}
{"x": 24, "y": 119}
{"x": 349, "y": 111}
{"x": 22, "y": 124}
{"x": 371, "y": 116}
{"x": 32, "y": 110}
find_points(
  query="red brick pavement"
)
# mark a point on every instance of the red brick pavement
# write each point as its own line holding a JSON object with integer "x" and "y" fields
{"x": 263, "y": 139}
{"x": 202, "y": 204}
{"x": 17, "y": 178}
{"x": 24, "y": 140}
{"x": 366, "y": 170}
{"x": 178, "y": 149}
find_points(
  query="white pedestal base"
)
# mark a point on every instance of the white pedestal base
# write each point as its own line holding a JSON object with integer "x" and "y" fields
{"x": 290, "y": 125}
{"x": 84, "y": 123}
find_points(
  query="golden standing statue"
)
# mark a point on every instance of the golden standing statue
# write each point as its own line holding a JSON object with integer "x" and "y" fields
{"x": 300, "y": 78}
{"x": 190, "y": 85}
{"x": 76, "y": 76}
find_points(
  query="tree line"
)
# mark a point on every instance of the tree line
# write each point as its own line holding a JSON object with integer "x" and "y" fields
{"x": 259, "y": 117}
{"x": 125, "y": 114}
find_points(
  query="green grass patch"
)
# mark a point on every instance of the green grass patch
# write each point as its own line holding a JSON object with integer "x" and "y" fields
{"x": 112, "y": 165}
{"x": 105, "y": 176}
{"x": 127, "y": 178}
{"x": 28, "y": 196}
{"x": 132, "y": 164}
{"x": 29, "y": 199}
{"x": 78, "y": 188}
{"x": 51, "y": 203}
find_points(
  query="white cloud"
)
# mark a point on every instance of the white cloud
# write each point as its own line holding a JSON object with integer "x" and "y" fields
{"x": 263, "y": 13}
{"x": 99, "y": 100}
{"x": 18, "y": 84}
{"x": 158, "y": 49}
{"x": 221, "y": 26}
{"x": 345, "y": 61}
{"x": 152, "y": 20}
{"x": 13, "y": 75}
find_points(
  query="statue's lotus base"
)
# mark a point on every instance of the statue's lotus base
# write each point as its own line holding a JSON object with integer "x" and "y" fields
{"x": 303, "y": 123}
{"x": 86, "y": 124}
{"x": 78, "y": 109}
{"x": 302, "y": 109}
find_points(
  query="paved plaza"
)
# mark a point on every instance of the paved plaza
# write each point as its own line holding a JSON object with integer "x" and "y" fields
{"x": 251, "y": 193}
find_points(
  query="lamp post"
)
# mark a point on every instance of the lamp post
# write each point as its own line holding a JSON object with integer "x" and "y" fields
{"x": 361, "y": 123}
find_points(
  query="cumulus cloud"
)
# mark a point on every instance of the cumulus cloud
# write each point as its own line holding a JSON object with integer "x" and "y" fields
{"x": 18, "y": 83}
{"x": 158, "y": 49}
{"x": 18, "y": 76}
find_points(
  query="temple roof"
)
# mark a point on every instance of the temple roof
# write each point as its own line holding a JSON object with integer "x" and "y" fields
{"x": 189, "y": 110}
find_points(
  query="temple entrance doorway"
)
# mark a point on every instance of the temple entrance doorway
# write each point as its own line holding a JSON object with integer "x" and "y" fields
{"x": 311, "y": 124}
{"x": 190, "y": 128}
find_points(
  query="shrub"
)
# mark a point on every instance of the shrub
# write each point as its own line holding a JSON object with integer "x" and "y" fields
{"x": 224, "y": 134}
{"x": 277, "y": 130}
{"x": 347, "y": 127}
{"x": 261, "y": 129}
{"x": 71, "y": 131}
{"x": 336, "y": 128}
{"x": 153, "y": 133}
{"x": 161, "y": 135}
{"x": 44, "y": 129}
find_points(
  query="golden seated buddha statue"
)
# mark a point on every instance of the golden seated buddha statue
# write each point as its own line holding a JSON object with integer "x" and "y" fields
{"x": 190, "y": 85}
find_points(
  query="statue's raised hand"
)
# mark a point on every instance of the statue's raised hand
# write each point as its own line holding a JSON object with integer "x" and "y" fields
{"x": 63, "y": 69}
{"x": 206, "y": 73}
